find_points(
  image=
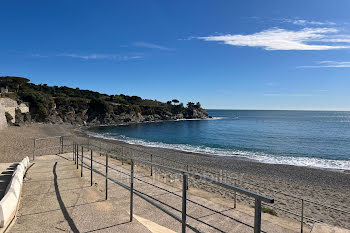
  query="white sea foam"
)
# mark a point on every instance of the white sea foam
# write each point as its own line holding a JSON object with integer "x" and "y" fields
{"x": 206, "y": 119}
{"x": 259, "y": 157}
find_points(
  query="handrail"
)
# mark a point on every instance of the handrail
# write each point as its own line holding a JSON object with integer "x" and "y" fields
{"x": 258, "y": 197}
{"x": 140, "y": 194}
{"x": 230, "y": 177}
{"x": 303, "y": 220}
{"x": 228, "y": 186}
{"x": 38, "y": 139}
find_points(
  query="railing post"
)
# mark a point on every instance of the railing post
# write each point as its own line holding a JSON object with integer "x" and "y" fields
{"x": 184, "y": 202}
{"x": 257, "y": 216}
{"x": 59, "y": 147}
{"x": 82, "y": 158}
{"x": 34, "y": 149}
{"x": 151, "y": 165}
{"x": 123, "y": 155}
{"x": 187, "y": 179}
{"x": 62, "y": 145}
{"x": 302, "y": 216}
{"x": 131, "y": 190}
{"x": 106, "y": 176}
{"x": 235, "y": 196}
{"x": 73, "y": 152}
{"x": 77, "y": 156}
{"x": 91, "y": 169}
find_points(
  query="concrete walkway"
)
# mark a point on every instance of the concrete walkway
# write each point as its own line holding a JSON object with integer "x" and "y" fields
{"x": 55, "y": 198}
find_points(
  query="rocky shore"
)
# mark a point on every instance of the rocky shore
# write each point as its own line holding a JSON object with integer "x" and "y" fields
{"x": 85, "y": 118}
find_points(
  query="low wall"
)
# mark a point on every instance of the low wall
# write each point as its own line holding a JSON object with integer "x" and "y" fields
{"x": 3, "y": 122}
{"x": 9, "y": 203}
{"x": 10, "y": 106}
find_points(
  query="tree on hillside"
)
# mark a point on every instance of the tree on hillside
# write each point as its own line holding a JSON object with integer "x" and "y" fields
{"x": 175, "y": 101}
{"x": 13, "y": 81}
{"x": 190, "y": 105}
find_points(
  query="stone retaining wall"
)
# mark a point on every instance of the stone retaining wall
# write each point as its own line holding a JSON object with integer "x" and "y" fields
{"x": 3, "y": 122}
{"x": 10, "y": 106}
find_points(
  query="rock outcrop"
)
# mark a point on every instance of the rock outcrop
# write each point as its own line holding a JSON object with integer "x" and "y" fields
{"x": 83, "y": 115}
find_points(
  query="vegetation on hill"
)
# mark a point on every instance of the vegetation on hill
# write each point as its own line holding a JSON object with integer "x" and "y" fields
{"x": 65, "y": 104}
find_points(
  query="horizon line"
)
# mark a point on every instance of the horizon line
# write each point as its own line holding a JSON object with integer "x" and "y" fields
{"x": 310, "y": 110}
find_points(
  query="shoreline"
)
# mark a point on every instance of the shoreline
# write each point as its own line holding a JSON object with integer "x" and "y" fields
{"x": 237, "y": 156}
{"x": 228, "y": 160}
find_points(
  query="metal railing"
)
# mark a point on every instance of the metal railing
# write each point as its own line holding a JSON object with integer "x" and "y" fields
{"x": 303, "y": 219}
{"x": 51, "y": 146}
{"x": 79, "y": 156}
{"x": 300, "y": 214}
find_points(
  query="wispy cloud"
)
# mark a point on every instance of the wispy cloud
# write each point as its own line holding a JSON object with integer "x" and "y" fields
{"x": 329, "y": 64}
{"x": 272, "y": 94}
{"x": 151, "y": 46}
{"x": 96, "y": 56}
{"x": 39, "y": 55}
{"x": 271, "y": 84}
{"x": 282, "y": 39}
{"x": 287, "y": 95}
{"x": 304, "y": 22}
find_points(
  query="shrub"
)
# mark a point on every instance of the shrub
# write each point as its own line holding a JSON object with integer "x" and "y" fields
{"x": 99, "y": 106}
{"x": 40, "y": 103}
{"x": 8, "y": 116}
{"x": 267, "y": 210}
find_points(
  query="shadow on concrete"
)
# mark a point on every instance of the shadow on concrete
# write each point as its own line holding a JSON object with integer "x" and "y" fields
{"x": 103, "y": 228}
{"x": 63, "y": 157}
{"x": 60, "y": 201}
{"x": 48, "y": 211}
{"x": 61, "y": 190}
{"x": 68, "y": 178}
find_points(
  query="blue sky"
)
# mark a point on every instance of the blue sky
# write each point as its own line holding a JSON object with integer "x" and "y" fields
{"x": 225, "y": 54}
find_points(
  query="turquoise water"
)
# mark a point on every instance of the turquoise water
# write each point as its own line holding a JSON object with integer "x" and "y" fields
{"x": 305, "y": 138}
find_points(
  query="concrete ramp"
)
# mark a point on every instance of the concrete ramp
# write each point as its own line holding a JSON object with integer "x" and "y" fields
{"x": 55, "y": 198}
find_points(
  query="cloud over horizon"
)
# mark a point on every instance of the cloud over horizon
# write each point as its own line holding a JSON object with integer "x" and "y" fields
{"x": 283, "y": 39}
{"x": 151, "y": 46}
{"x": 329, "y": 64}
{"x": 288, "y": 95}
{"x": 304, "y": 22}
{"x": 96, "y": 56}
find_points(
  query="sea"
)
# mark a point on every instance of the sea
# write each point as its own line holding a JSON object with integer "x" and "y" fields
{"x": 318, "y": 139}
